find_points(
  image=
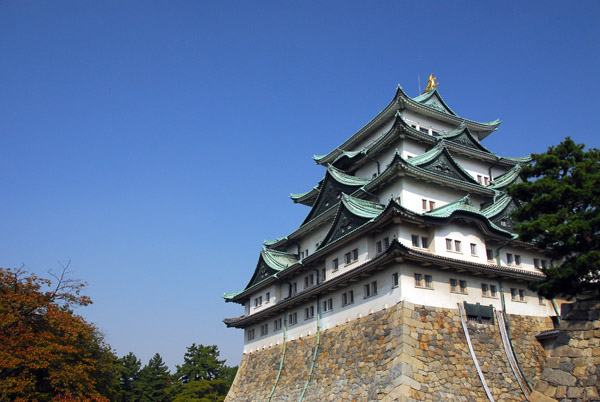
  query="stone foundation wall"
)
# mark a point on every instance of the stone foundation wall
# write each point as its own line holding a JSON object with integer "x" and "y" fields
{"x": 403, "y": 353}
{"x": 571, "y": 373}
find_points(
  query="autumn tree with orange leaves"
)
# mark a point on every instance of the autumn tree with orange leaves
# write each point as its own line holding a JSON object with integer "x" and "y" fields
{"x": 47, "y": 352}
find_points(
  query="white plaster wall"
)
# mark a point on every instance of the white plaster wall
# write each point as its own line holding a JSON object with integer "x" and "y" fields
{"x": 413, "y": 191}
{"x": 473, "y": 166}
{"x": 374, "y": 135}
{"x": 310, "y": 241}
{"x": 428, "y": 122}
{"x": 274, "y": 292}
{"x": 466, "y": 234}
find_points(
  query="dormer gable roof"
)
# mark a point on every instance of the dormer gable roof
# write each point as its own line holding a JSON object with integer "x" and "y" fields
{"x": 501, "y": 210}
{"x": 439, "y": 161}
{"x": 333, "y": 185}
{"x": 351, "y": 214}
{"x": 269, "y": 263}
{"x": 462, "y": 209}
{"x": 463, "y": 136}
{"x": 509, "y": 177}
{"x": 433, "y": 99}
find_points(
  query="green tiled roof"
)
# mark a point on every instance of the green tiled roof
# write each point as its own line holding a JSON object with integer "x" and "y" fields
{"x": 362, "y": 208}
{"x": 433, "y": 154}
{"x": 277, "y": 260}
{"x": 347, "y": 179}
{"x": 271, "y": 242}
{"x": 433, "y": 99}
{"x": 507, "y": 178}
{"x": 498, "y": 206}
{"x": 231, "y": 295}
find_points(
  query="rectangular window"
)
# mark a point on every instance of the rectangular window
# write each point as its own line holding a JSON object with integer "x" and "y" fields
{"x": 323, "y": 275}
{"x": 293, "y": 288}
{"x": 379, "y": 248}
{"x": 486, "y": 181}
{"x": 327, "y": 305}
{"x": 355, "y": 254}
{"x": 463, "y": 286}
{"x": 457, "y": 286}
{"x": 536, "y": 262}
{"x": 250, "y": 334}
{"x": 509, "y": 259}
{"x": 292, "y": 319}
{"x": 419, "y": 280}
{"x": 493, "y": 291}
{"x": 424, "y": 204}
{"x": 302, "y": 255}
{"x": 277, "y": 324}
{"x": 428, "y": 281}
{"x": 267, "y": 297}
{"x": 453, "y": 285}
{"x": 335, "y": 264}
{"x": 309, "y": 280}
{"x": 479, "y": 179}
{"x": 517, "y": 259}
{"x": 431, "y": 205}
{"x": 371, "y": 289}
{"x": 473, "y": 249}
{"x": 544, "y": 264}
{"x": 386, "y": 242}
{"x": 395, "y": 279}
{"x": 489, "y": 254}
{"x": 449, "y": 244}
{"x": 415, "y": 240}
{"x": 309, "y": 312}
{"x": 306, "y": 252}
{"x": 348, "y": 258}
{"x": 457, "y": 246}
{"x": 485, "y": 291}
{"x": 521, "y": 295}
{"x": 264, "y": 329}
{"x": 258, "y": 301}
{"x": 347, "y": 298}
{"x": 514, "y": 294}
{"x": 424, "y": 242}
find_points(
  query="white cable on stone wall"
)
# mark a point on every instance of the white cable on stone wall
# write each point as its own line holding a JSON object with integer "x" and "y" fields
{"x": 481, "y": 377}
{"x": 510, "y": 353}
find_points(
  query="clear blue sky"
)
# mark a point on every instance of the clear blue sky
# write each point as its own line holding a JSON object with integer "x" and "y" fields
{"x": 154, "y": 143}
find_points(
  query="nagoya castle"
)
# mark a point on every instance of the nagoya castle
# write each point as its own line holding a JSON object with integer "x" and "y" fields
{"x": 405, "y": 281}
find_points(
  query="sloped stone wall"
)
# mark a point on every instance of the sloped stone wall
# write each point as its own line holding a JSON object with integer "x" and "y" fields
{"x": 403, "y": 353}
{"x": 572, "y": 372}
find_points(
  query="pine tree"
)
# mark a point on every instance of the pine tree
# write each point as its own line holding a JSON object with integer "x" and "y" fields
{"x": 154, "y": 382}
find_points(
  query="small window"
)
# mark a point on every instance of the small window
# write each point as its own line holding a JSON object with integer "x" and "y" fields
{"x": 463, "y": 286}
{"x": 431, "y": 205}
{"x": 348, "y": 258}
{"x": 419, "y": 280}
{"x": 327, "y": 305}
{"x": 521, "y": 294}
{"x": 347, "y": 298}
{"x": 335, "y": 264}
{"x": 517, "y": 259}
{"x": 264, "y": 329}
{"x": 415, "y": 240}
{"x": 509, "y": 259}
{"x": 536, "y": 263}
{"x": 457, "y": 246}
{"x": 479, "y": 179}
{"x": 355, "y": 254}
{"x": 473, "y": 249}
{"x": 453, "y": 285}
{"x": 293, "y": 288}
{"x": 513, "y": 294}
{"x": 258, "y": 301}
{"x": 309, "y": 312}
{"x": 424, "y": 242}
{"x": 517, "y": 294}
{"x": 323, "y": 275}
{"x": 490, "y": 254}
{"x": 371, "y": 289}
{"x": 544, "y": 264}
{"x": 485, "y": 290}
{"x": 267, "y": 297}
{"x": 424, "y": 202}
{"x": 306, "y": 252}
{"x": 386, "y": 242}
{"x": 449, "y": 244}
{"x": 293, "y": 319}
{"x": 428, "y": 281}
{"x": 379, "y": 248}
{"x": 486, "y": 181}
{"x": 493, "y": 291}
{"x": 250, "y": 334}
{"x": 277, "y": 324}
{"x": 395, "y": 279}
{"x": 302, "y": 255}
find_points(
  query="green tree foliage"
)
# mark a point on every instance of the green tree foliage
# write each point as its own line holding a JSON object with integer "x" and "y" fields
{"x": 560, "y": 214}
{"x": 154, "y": 382}
{"x": 129, "y": 372}
{"x": 202, "y": 377}
{"x": 47, "y": 352}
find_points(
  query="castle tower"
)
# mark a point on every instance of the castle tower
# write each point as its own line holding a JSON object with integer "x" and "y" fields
{"x": 411, "y": 215}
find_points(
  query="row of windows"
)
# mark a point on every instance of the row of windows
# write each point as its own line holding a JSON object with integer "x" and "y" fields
{"x": 427, "y": 205}
{"x": 370, "y": 289}
{"x": 419, "y": 241}
{"x": 259, "y": 300}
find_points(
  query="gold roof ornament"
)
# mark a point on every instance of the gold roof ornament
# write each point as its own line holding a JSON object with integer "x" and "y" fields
{"x": 431, "y": 84}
